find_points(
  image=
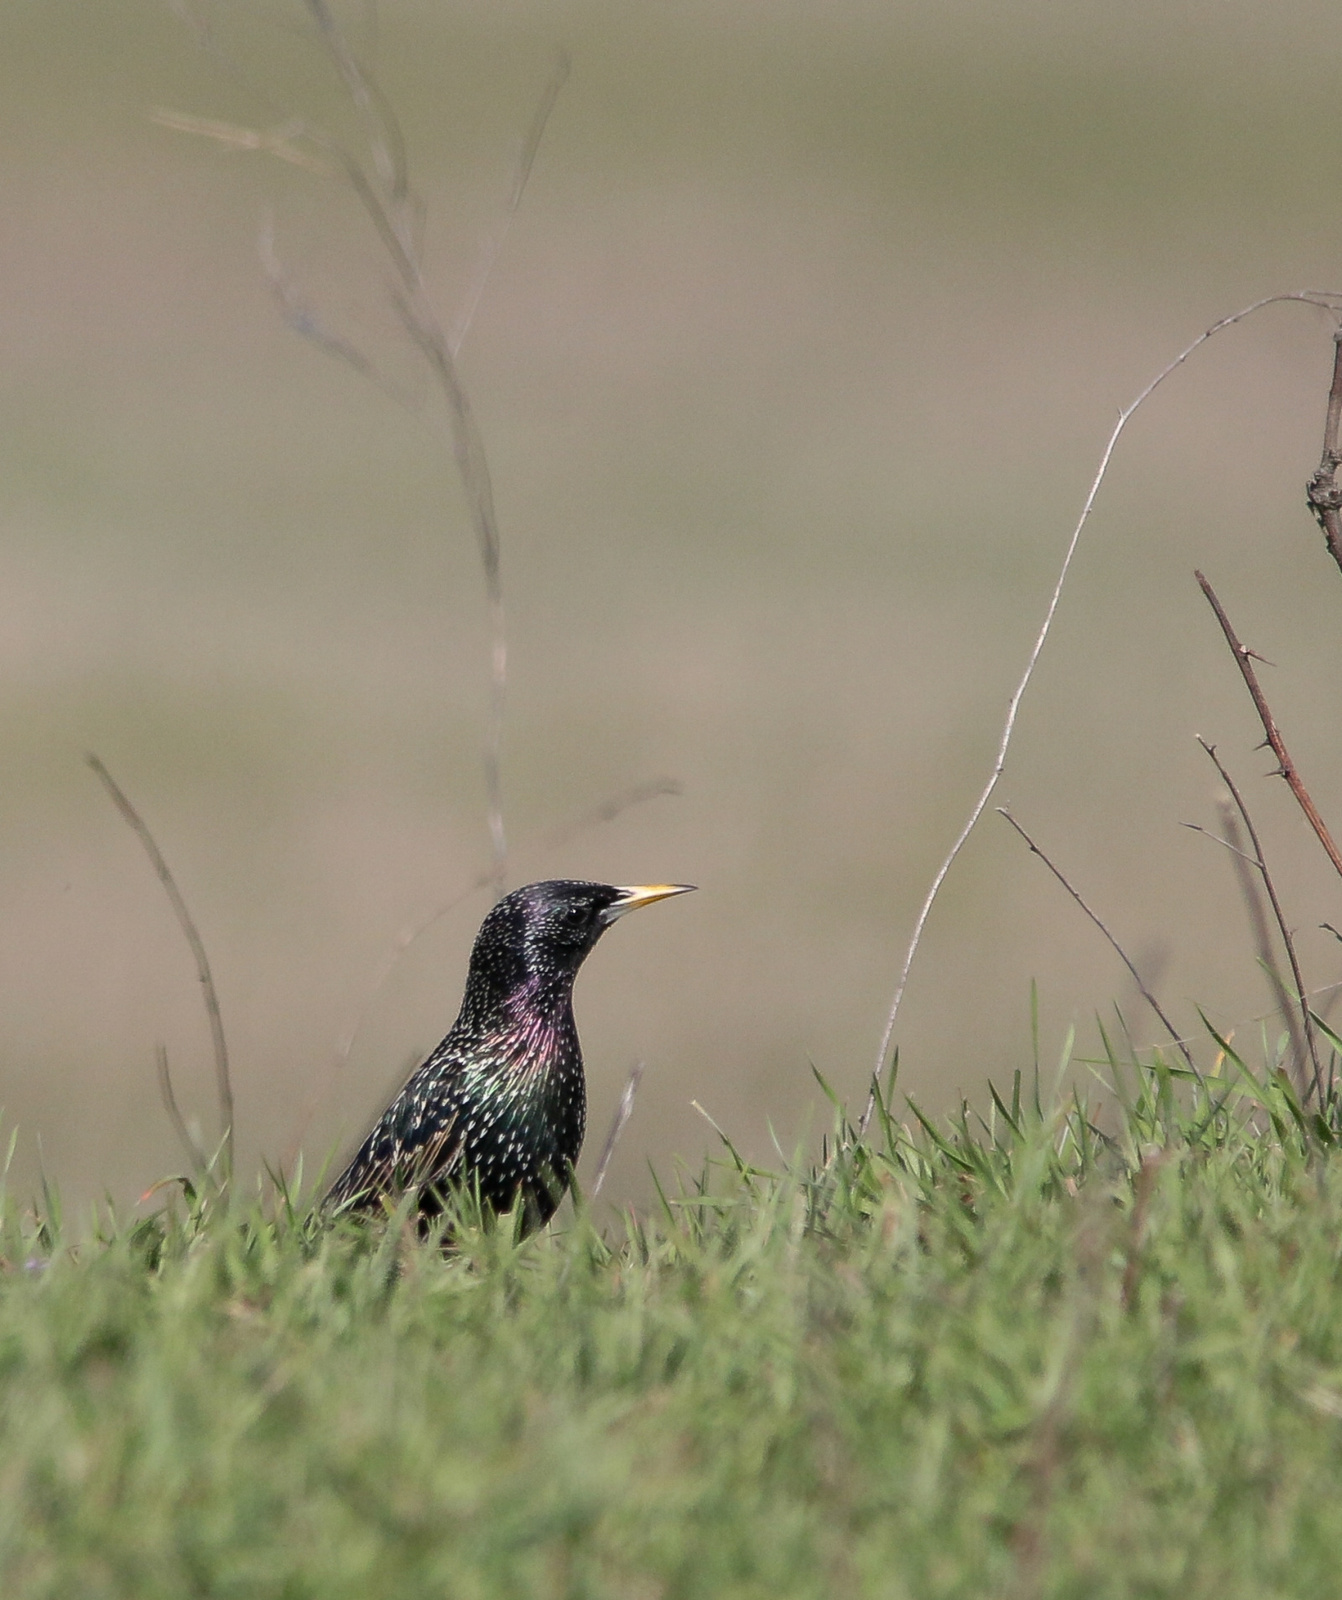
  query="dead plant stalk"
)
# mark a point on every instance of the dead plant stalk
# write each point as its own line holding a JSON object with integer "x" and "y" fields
{"x": 1286, "y": 768}
{"x": 1259, "y": 860}
{"x": 1328, "y": 300}
{"x": 1114, "y": 944}
{"x": 381, "y": 185}
{"x": 1322, "y": 492}
{"x": 185, "y": 921}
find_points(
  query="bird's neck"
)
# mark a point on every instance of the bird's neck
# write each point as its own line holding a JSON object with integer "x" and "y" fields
{"x": 531, "y": 1005}
{"x": 542, "y": 1003}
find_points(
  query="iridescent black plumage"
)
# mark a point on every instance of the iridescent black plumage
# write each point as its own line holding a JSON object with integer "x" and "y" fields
{"x": 501, "y": 1104}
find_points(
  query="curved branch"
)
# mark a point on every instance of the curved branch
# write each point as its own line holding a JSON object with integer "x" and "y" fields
{"x": 222, "y": 1079}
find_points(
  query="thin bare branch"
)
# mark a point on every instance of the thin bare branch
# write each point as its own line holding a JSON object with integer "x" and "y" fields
{"x": 223, "y": 1082}
{"x": 1322, "y": 491}
{"x": 1196, "y": 827}
{"x": 299, "y": 315}
{"x": 197, "y": 1157}
{"x": 382, "y": 126}
{"x": 1260, "y": 861}
{"x": 1114, "y": 944}
{"x": 1286, "y": 768}
{"x": 473, "y": 469}
{"x": 275, "y": 142}
{"x": 606, "y": 811}
{"x": 525, "y": 160}
{"x": 623, "y": 1112}
{"x": 384, "y": 191}
{"x": 390, "y": 205}
{"x": 1329, "y": 301}
{"x": 1252, "y": 893}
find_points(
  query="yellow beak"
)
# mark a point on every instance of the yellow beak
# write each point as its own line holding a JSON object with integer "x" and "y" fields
{"x": 632, "y": 896}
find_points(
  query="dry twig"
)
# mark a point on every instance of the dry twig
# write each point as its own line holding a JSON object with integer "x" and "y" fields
{"x": 1322, "y": 491}
{"x": 278, "y": 142}
{"x": 623, "y": 1112}
{"x": 303, "y": 318}
{"x": 1118, "y": 948}
{"x": 1328, "y": 300}
{"x": 384, "y": 191}
{"x": 1250, "y": 892}
{"x": 1286, "y": 768}
{"x": 1259, "y": 860}
{"x": 525, "y": 159}
{"x": 196, "y": 1156}
{"x": 393, "y": 209}
{"x": 1253, "y": 894}
{"x": 223, "y": 1082}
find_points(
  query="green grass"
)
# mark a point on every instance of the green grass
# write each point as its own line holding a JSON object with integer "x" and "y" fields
{"x": 1019, "y": 1355}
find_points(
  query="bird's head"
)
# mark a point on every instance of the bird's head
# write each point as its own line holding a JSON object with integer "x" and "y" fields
{"x": 542, "y": 933}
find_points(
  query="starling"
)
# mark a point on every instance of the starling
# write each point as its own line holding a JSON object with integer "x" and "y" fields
{"x": 500, "y": 1105}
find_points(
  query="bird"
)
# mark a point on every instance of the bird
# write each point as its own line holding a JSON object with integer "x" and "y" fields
{"x": 500, "y": 1106}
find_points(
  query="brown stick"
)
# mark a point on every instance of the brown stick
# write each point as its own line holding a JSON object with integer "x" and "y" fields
{"x": 195, "y": 1154}
{"x": 1117, "y": 948}
{"x": 1259, "y": 860}
{"x": 222, "y": 1079}
{"x": 526, "y": 156}
{"x": 1252, "y": 893}
{"x": 623, "y": 1112}
{"x": 1285, "y": 766}
{"x": 1322, "y": 491}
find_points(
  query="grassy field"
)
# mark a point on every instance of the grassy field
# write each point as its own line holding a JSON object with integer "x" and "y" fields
{"x": 1053, "y": 1352}
{"x": 793, "y": 375}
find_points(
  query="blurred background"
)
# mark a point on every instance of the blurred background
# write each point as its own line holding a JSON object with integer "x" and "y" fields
{"x": 793, "y": 373}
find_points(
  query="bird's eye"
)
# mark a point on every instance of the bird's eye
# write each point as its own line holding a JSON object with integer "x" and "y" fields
{"x": 577, "y": 916}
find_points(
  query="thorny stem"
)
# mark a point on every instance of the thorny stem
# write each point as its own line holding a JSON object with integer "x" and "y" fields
{"x": 1286, "y": 768}
{"x": 1329, "y": 301}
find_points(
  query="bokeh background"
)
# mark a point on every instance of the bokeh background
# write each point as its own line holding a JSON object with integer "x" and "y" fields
{"x": 793, "y": 373}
